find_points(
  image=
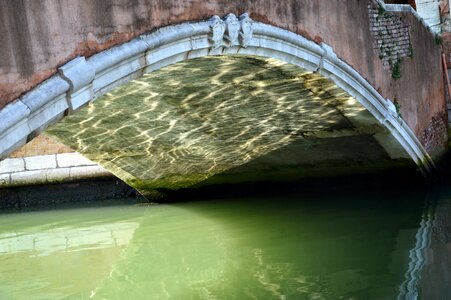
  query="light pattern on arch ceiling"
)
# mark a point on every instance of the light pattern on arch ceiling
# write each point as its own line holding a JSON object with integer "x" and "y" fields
{"x": 228, "y": 119}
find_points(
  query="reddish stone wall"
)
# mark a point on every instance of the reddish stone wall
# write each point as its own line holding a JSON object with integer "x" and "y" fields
{"x": 444, "y": 15}
{"x": 41, "y": 145}
{"x": 38, "y": 36}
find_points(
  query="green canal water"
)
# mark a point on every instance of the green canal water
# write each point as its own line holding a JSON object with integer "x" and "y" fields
{"x": 344, "y": 245}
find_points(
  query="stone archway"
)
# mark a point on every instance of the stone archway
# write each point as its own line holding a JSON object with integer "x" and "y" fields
{"x": 82, "y": 80}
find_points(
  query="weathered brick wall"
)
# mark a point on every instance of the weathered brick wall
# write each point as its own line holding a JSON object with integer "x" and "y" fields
{"x": 391, "y": 36}
{"x": 435, "y": 133}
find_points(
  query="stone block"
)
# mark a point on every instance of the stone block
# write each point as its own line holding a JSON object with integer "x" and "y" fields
{"x": 40, "y": 162}
{"x": 80, "y": 97}
{"x": 14, "y": 136}
{"x": 57, "y": 175}
{"x": 117, "y": 83}
{"x": 161, "y": 53}
{"x": 116, "y": 72}
{"x": 86, "y": 172}
{"x": 165, "y": 62}
{"x": 199, "y": 42}
{"x": 77, "y": 73}
{"x": 11, "y": 165}
{"x": 12, "y": 114}
{"x": 4, "y": 180}
{"x": 28, "y": 177}
{"x": 47, "y": 113}
{"x": 72, "y": 160}
{"x": 46, "y": 92}
{"x": 105, "y": 60}
{"x": 198, "y": 53}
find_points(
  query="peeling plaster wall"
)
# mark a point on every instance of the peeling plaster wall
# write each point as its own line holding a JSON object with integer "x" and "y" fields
{"x": 39, "y": 36}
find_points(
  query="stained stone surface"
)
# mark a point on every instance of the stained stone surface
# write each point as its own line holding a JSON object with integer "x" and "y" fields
{"x": 228, "y": 119}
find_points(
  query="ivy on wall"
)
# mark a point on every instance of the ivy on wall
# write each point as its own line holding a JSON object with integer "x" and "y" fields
{"x": 391, "y": 38}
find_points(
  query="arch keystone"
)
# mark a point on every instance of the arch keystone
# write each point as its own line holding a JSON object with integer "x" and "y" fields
{"x": 232, "y": 29}
{"x": 217, "y": 32}
{"x": 246, "y": 31}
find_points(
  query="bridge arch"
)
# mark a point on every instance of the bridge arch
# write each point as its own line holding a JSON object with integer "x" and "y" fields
{"x": 81, "y": 80}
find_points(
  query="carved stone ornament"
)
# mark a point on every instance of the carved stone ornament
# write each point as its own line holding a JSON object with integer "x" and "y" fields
{"x": 232, "y": 29}
{"x": 246, "y": 30}
{"x": 217, "y": 28}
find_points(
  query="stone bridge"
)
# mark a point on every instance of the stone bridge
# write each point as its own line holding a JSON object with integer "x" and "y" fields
{"x": 187, "y": 91}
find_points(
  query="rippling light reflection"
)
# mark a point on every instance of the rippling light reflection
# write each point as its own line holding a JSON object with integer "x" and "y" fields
{"x": 180, "y": 125}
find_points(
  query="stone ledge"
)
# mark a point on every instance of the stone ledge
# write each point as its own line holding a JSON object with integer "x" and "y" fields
{"x": 40, "y": 162}
{"x": 72, "y": 160}
{"x": 46, "y": 169}
{"x": 11, "y": 165}
{"x": 13, "y": 113}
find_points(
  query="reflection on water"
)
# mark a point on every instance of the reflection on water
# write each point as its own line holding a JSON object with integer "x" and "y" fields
{"x": 68, "y": 239}
{"x": 435, "y": 280}
{"x": 345, "y": 246}
{"x": 417, "y": 255}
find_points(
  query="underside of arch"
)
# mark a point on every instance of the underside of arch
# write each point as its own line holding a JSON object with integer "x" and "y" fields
{"x": 230, "y": 119}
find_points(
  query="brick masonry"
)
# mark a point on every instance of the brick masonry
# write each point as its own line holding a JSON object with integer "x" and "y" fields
{"x": 391, "y": 36}
{"x": 434, "y": 137}
{"x": 41, "y": 145}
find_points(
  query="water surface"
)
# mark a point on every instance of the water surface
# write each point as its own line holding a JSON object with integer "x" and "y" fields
{"x": 329, "y": 246}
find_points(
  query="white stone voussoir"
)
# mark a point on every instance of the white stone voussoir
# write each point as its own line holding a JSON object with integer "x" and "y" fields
{"x": 114, "y": 76}
{"x": 81, "y": 97}
{"x": 12, "y": 114}
{"x": 77, "y": 73}
{"x": 50, "y": 112}
{"x": 14, "y": 137}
